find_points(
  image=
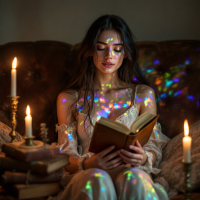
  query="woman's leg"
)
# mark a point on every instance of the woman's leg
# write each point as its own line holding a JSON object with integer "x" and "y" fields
{"x": 135, "y": 184}
{"x": 91, "y": 184}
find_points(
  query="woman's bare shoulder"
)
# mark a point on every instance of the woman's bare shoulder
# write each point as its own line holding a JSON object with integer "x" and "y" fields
{"x": 142, "y": 88}
{"x": 68, "y": 96}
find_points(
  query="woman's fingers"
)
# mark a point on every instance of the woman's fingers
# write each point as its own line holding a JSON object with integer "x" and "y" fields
{"x": 129, "y": 160}
{"x": 138, "y": 150}
{"x": 111, "y": 156}
{"x": 114, "y": 165}
{"x": 106, "y": 151}
{"x": 114, "y": 161}
{"x": 130, "y": 155}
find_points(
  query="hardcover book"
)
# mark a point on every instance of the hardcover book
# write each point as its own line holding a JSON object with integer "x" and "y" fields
{"x": 13, "y": 150}
{"x": 10, "y": 177}
{"x": 23, "y": 191}
{"x": 45, "y": 166}
{"x": 107, "y": 133}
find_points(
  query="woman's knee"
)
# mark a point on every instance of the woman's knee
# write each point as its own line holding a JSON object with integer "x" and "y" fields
{"x": 91, "y": 184}
{"x": 136, "y": 183}
{"x": 93, "y": 177}
{"x": 96, "y": 182}
{"x": 97, "y": 173}
{"x": 133, "y": 176}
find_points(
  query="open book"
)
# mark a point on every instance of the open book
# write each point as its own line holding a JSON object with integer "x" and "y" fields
{"x": 107, "y": 133}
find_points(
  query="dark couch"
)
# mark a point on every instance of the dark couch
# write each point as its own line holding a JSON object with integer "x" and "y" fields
{"x": 45, "y": 67}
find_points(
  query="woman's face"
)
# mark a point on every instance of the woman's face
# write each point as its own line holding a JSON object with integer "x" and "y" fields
{"x": 109, "y": 53}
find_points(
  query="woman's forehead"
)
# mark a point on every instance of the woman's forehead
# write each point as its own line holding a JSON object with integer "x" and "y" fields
{"x": 110, "y": 36}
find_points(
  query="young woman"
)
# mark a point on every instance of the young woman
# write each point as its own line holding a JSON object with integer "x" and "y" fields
{"x": 109, "y": 84}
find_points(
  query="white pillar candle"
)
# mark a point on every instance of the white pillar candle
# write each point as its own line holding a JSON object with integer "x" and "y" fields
{"x": 14, "y": 78}
{"x": 187, "y": 140}
{"x": 28, "y": 123}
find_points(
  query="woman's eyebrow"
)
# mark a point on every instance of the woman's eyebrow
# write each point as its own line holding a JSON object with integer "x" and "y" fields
{"x": 117, "y": 44}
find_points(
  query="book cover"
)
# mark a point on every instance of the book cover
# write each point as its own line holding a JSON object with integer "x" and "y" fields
{"x": 105, "y": 136}
{"x": 14, "y": 151}
{"x": 20, "y": 177}
{"x": 45, "y": 166}
{"x": 23, "y": 191}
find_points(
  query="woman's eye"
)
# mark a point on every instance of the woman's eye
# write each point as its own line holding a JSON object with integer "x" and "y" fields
{"x": 117, "y": 50}
{"x": 100, "y": 49}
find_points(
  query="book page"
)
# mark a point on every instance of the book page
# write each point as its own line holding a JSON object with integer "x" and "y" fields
{"x": 114, "y": 125}
{"x": 141, "y": 121}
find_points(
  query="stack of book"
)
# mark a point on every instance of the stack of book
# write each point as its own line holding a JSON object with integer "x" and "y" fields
{"x": 31, "y": 173}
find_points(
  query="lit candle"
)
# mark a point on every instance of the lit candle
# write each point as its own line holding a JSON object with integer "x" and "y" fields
{"x": 187, "y": 140}
{"x": 14, "y": 78}
{"x": 28, "y": 123}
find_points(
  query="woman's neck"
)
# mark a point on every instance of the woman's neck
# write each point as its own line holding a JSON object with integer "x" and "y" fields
{"x": 106, "y": 82}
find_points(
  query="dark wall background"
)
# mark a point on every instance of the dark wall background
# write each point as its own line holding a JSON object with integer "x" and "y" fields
{"x": 68, "y": 20}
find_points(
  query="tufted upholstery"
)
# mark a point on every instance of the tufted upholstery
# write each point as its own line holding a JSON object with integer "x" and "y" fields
{"x": 44, "y": 68}
{"x": 173, "y": 70}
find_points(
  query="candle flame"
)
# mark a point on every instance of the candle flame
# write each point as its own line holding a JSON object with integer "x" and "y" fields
{"x": 186, "y": 128}
{"x": 28, "y": 110}
{"x": 14, "y": 63}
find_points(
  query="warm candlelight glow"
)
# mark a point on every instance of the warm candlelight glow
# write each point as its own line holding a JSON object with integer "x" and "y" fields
{"x": 28, "y": 123}
{"x": 187, "y": 141}
{"x": 28, "y": 110}
{"x": 186, "y": 127}
{"x": 14, "y": 63}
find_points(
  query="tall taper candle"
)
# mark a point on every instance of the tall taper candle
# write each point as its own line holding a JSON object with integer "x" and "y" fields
{"x": 28, "y": 123}
{"x": 187, "y": 140}
{"x": 14, "y": 78}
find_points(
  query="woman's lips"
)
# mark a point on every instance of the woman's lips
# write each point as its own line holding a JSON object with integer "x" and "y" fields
{"x": 107, "y": 65}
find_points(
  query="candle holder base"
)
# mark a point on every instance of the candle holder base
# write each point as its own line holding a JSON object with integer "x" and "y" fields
{"x": 30, "y": 143}
{"x": 186, "y": 187}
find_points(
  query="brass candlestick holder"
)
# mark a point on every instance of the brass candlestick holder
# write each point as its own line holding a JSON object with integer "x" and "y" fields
{"x": 186, "y": 187}
{"x": 13, "y": 105}
{"x": 44, "y": 133}
{"x": 34, "y": 144}
{"x": 29, "y": 141}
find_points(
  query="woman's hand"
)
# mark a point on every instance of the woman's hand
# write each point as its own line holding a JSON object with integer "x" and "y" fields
{"x": 135, "y": 159}
{"x": 103, "y": 161}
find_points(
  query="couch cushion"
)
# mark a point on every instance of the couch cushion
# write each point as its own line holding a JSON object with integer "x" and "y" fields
{"x": 171, "y": 165}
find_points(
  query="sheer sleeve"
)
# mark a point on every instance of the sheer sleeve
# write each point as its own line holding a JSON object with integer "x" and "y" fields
{"x": 67, "y": 140}
{"x": 156, "y": 143}
{"x": 68, "y": 143}
{"x": 145, "y": 96}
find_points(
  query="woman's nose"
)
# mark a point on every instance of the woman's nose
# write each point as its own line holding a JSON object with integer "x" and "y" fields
{"x": 108, "y": 55}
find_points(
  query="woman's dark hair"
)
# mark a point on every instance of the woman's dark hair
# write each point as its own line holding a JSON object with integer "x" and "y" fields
{"x": 83, "y": 78}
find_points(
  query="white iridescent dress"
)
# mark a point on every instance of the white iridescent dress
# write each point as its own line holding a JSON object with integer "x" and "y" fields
{"x": 74, "y": 140}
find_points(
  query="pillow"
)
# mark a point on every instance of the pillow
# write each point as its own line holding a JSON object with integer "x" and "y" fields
{"x": 171, "y": 165}
{"x": 4, "y": 135}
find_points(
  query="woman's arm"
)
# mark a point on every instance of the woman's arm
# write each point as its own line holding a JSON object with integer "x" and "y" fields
{"x": 73, "y": 166}
{"x": 64, "y": 114}
{"x": 145, "y": 100}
